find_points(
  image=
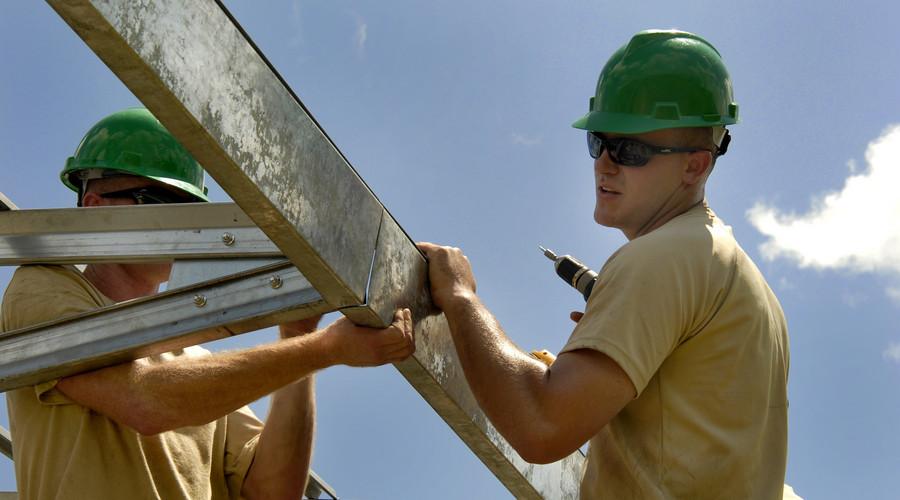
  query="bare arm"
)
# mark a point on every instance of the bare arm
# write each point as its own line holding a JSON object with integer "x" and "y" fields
{"x": 283, "y": 454}
{"x": 544, "y": 413}
{"x": 156, "y": 397}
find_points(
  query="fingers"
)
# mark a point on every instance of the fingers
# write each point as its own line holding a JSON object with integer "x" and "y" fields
{"x": 405, "y": 345}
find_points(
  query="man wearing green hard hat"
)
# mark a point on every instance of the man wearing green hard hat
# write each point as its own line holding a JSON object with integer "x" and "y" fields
{"x": 176, "y": 425}
{"x": 676, "y": 373}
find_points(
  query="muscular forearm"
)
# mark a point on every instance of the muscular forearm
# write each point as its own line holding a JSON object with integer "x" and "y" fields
{"x": 507, "y": 383}
{"x": 155, "y": 397}
{"x": 281, "y": 464}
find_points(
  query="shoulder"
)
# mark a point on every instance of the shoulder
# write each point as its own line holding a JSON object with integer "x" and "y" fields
{"x": 694, "y": 238}
{"x": 38, "y": 293}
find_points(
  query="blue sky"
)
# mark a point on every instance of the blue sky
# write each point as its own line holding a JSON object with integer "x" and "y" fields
{"x": 457, "y": 115}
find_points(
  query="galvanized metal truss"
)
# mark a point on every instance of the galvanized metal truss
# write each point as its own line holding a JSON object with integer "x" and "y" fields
{"x": 261, "y": 145}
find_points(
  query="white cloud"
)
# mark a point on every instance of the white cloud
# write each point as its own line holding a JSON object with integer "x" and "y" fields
{"x": 853, "y": 299}
{"x": 893, "y": 293}
{"x": 856, "y": 228}
{"x": 525, "y": 140}
{"x": 362, "y": 34}
{"x": 892, "y": 352}
{"x": 296, "y": 38}
{"x": 786, "y": 284}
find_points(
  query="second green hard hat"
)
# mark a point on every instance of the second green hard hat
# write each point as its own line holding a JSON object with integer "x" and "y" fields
{"x": 661, "y": 79}
{"x": 133, "y": 142}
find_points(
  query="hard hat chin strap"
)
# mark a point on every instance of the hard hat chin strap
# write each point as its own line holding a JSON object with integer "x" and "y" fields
{"x": 722, "y": 148}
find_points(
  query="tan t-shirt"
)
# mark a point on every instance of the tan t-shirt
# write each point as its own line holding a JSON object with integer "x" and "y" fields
{"x": 65, "y": 451}
{"x": 691, "y": 320}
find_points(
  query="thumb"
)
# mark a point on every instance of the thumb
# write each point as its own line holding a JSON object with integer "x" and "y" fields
{"x": 576, "y": 316}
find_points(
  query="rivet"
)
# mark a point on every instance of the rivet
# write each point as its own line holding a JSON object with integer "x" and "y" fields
{"x": 276, "y": 282}
{"x": 228, "y": 239}
{"x": 199, "y": 300}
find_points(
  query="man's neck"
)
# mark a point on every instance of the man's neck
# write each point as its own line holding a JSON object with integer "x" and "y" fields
{"x": 668, "y": 212}
{"x": 120, "y": 282}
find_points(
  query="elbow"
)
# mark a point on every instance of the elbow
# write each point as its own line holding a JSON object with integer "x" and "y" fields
{"x": 148, "y": 426}
{"x": 541, "y": 453}
{"x": 543, "y": 446}
{"x": 149, "y": 421}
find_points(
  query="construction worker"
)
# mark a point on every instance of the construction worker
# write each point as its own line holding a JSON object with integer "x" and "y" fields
{"x": 172, "y": 426}
{"x": 677, "y": 370}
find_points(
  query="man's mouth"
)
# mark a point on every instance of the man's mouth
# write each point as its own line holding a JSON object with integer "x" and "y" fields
{"x": 608, "y": 191}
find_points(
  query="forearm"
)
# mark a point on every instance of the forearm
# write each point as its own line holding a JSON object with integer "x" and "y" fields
{"x": 281, "y": 464}
{"x": 507, "y": 383}
{"x": 155, "y": 397}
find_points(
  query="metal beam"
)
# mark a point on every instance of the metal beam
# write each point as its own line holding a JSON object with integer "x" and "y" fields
{"x": 5, "y": 443}
{"x": 123, "y": 218}
{"x": 242, "y": 122}
{"x": 6, "y": 204}
{"x": 160, "y": 323}
{"x": 317, "y": 486}
{"x": 135, "y": 246}
{"x": 130, "y": 234}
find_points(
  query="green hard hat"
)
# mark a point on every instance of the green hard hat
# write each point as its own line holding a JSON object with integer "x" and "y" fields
{"x": 133, "y": 142}
{"x": 661, "y": 79}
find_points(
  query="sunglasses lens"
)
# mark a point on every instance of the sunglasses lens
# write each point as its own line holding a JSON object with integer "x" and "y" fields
{"x": 632, "y": 153}
{"x": 595, "y": 145}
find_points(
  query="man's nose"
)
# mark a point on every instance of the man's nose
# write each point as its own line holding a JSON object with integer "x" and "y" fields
{"x": 605, "y": 165}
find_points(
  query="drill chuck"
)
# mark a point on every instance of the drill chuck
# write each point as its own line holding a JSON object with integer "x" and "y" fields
{"x": 573, "y": 272}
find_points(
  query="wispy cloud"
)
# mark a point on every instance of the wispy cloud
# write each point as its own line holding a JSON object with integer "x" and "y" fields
{"x": 856, "y": 228}
{"x": 525, "y": 140}
{"x": 362, "y": 34}
{"x": 296, "y": 38}
{"x": 853, "y": 299}
{"x": 893, "y": 293}
{"x": 892, "y": 353}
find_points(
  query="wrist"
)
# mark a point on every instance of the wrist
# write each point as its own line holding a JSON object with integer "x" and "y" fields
{"x": 459, "y": 301}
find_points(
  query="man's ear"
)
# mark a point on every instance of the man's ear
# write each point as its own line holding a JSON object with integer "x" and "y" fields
{"x": 91, "y": 199}
{"x": 698, "y": 166}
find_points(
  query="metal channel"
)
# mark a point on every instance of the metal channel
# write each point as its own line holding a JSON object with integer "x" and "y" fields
{"x": 157, "y": 324}
{"x": 5, "y": 443}
{"x": 135, "y": 246}
{"x": 123, "y": 218}
{"x": 317, "y": 487}
{"x": 6, "y": 204}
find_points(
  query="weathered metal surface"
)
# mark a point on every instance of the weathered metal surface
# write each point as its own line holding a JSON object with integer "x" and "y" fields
{"x": 190, "y": 64}
{"x": 398, "y": 278}
{"x": 317, "y": 487}
{"x": 156, "y": 324}
{"x": 190, "y": 272}
{"x": 123, "y": 218}
{"x": 134, "y": 246}
{"x": 5, "y": 443}
{"x": 6, "y": 204}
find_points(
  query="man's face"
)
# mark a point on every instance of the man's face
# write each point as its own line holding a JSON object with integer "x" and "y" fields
{"x": 97, "y": 196}
{"x": 638, "y": 199}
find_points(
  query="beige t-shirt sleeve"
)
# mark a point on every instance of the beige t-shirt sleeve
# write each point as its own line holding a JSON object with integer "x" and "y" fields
{"x": 638, "y": 312}
{"x": 38, "y": 294}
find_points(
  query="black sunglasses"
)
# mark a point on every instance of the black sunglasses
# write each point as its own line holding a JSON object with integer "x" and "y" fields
{"x": 629, "y": 152}
{"x": 150, "y": 195}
